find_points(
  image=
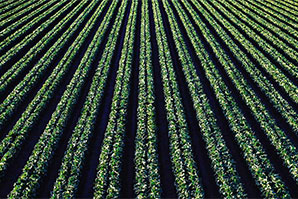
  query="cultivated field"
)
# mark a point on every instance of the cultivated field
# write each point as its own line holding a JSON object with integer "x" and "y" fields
{"x": 148, "y": 98}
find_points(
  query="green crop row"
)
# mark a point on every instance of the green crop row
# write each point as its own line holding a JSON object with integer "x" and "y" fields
{"x": 11, "y": 144}
{"x": 276, "y": 17}
{"x": 281, "y": 104}
{"x": 10, "y": 4}
{"x": 223, "y": 165}
{"x": 12, "y": 14}
{"x": 286, "y": 28}
{"x": 237, "y": 58}
{"x": 21, "y": 90}
{"x": 289, "y": 3}
{"x": 20, "y": 32}
{"x": 147, "y": 178}
{"x": 184, "y": 168}
{"x": 255, "y": 32}
{"x": 278, "y": 138}
{"x": 246, "y": 15}
{"x": 67, "y": 181}
{"x": 274, "y": 71}
{"x": 107, "y": 182}
{"x": 9, "y": 76}
{"x": 36, "y": 166}
{"x": 290, "y": 13}
{"x": 9, "y": 29}
{"x": 253, "y": 152}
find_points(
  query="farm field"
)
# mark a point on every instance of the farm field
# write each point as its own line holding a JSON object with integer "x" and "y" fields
{"x": 149, "y": 99}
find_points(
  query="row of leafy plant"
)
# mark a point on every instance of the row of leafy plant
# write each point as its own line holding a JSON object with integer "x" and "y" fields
{"x": 254, "y": 31}
{"x": 290, "y": 12}
{"x": 277, "y": 137}
{"x": 56, "y": 10}
{"x": 12, "y": 143}
{"x": 185, "y": 171}
{"x": 277, "y": 17}
{"x": 24, "y": 63}
{"x": 274, "y": 96}
{"x": 279, "y": 38}
{"x": 265, "y": 62}
{"x": 8, "y": 55}
{"x": 107, "y": 182}
{"x": 281, "y": 104}
{"x": 36, "y": 166}
{"x": 17, "y": 12}
{"x": 9, "y": 5}
{"x": 23, "y": 88}
{"x": 224, "y": 166}
{"x": 262, "y": 170}
{"x": 267, "y": 19}
{"x": 68, "y": 178}
{"x": 9, "y": 20}
{"x": 289, "y": 5}
{"x": 147, "y": 180}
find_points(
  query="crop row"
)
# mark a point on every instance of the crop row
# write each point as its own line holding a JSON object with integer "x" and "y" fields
{"x": 282, "y": 105}
{"x": 12, "y": 143}
{"x": 9, "y": 54}
{"x": 21, "y": 90}
{"x": 259, "y": 165}
{"x": 263, "y": 30}
{"x": 268, "y": 48}
{"x": 290, "y": 4}
{"x": 271, "y": 68}
{"x": 15, "y": 71}
{"x": 278, "y": 138}
{"x": 66, "y": 81}
{"x": 277, "y": 16}
{"x": 68, "y": 179}
{"x": 271, "y": 19}
{"x": 147, "y": 179}
{"x": 59, "y": 8}
{"x": 8, "y": 25}
{"x": 23, "y": 64}
{"x": 290, "y": 13}
{"x": 287, "y": 5}
{"x": 107, "y": 183}
{"x": 184, "y": 167}
{"x": 10, "y": 4}
{"x": 14, "y": 13}
{"x": 223, "y": 165}
{"x": 36, "y": 166}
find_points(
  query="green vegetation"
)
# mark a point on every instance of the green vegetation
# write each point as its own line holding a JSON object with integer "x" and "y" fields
{"x": 149, "y": 99}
